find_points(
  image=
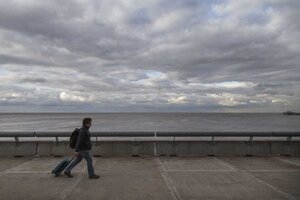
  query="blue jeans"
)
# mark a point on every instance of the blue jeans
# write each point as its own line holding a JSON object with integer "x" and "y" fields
{"x": 87, "y": 156}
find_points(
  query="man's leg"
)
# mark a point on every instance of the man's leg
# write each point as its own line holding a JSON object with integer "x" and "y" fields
{"x": 87, "y": 156}
{"x": 73, "y": 163}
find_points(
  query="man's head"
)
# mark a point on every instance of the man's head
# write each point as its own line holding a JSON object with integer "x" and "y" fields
{"x": 87, "y": 122}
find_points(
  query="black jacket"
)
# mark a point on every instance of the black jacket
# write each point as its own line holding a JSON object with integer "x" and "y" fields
{"x": 84, "y": 139}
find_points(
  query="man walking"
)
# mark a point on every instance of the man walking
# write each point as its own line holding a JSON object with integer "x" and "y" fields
{"x": 83, "y": 150}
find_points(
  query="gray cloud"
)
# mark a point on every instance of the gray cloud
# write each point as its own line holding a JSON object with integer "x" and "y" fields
{"x": 33, "y": 80}
{"x": 150, "y": 55}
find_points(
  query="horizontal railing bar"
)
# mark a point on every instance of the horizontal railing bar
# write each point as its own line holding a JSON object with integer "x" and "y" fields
{"x": 156, "y": 133}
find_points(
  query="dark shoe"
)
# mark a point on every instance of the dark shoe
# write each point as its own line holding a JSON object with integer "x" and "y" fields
{"x": 94, "y": 176}
{"x": 68, "y": 174}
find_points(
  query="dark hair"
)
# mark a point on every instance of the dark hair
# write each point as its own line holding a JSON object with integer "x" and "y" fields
{"x": 86, "y": 120}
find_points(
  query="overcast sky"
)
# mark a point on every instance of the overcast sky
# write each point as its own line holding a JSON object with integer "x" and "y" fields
{"x": 149, "y": 55}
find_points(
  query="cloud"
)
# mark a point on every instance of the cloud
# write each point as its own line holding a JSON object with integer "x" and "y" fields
{"x": 177, "y": 100}
{"x": 34, "y": 80}
{"x": 150, "y": 55}
{"x": 225, "y": 85}
{"x": 67, "y": 96}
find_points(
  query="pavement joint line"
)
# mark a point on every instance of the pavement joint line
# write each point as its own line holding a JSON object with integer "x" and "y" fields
{"x": 168, "y": 181}
{"x": 201, "y": 170}
{"x": 229, "y": 170}
{"x": 67, "y": 191}
{"x": 12, "y": 169}
{"x": 271, "y": 170}
{"x": 25, "y": 172}
{"x": 162, "y": 165}
{"x": 288, "y": 196}
{"x": 288, "y": 161}
{"x": 226, "y": 164}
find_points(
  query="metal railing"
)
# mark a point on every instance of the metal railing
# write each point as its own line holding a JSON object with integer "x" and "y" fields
{"x": 155, "y": 134}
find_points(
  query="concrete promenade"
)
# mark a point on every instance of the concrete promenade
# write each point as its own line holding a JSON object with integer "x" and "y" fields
{"x": 150, "y": 177}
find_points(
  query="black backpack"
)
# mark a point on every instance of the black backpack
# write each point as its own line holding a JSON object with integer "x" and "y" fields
{"x": 73, "y": 138}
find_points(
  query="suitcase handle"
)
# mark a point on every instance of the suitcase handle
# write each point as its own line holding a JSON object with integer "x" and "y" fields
{"x": 73, "y": 157}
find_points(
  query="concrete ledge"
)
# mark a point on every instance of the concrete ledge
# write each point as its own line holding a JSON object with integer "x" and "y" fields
{"x": 285, "y": 148}
{"x": 160, "y": 148}
{"x": 123, "y": 148}
{"x": 18, "y": 149}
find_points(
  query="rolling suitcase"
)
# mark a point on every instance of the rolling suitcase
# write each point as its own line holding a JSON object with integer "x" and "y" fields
{"x": 61, "y": 166}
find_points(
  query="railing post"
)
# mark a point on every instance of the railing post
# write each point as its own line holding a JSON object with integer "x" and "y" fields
{"x": 17, "y": 140}
{"x": 289, "y": 140}
{"x": 212, "y": 141}
{"x": 37, "y": 148}
{"x": 155, "y": 153}
{"x": 135, "y": 148}
{"x": 173, "y": 152}
{"x": 250, "y": 142}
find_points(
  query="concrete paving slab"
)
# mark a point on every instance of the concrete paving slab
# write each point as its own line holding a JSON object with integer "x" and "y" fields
{"x": 124, "y": 178}
{"x": 221, "y": 185}
{"x": 174, "y": 178}
{"x": 9, "y": 162}
{"x": 31, "y": 186}
{"x": 137, "y": 185}
{"x": 290, "y": 160}
{"x": 193, "y": 164}
{"x": 258, "y": 163}
{"x": 288, "y": 182}
{"x": 125, "y": 164}
{"x": 40, "y": 165}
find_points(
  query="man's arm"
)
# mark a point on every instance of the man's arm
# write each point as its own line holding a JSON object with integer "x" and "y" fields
{"x": 79, "y": 139}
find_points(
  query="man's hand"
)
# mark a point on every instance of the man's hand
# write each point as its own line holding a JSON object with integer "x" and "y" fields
{"x": 76, "y": 153}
